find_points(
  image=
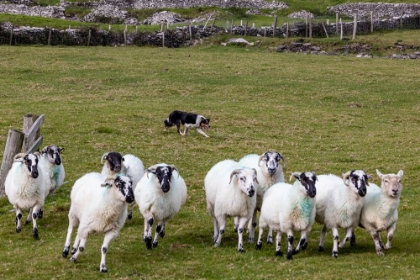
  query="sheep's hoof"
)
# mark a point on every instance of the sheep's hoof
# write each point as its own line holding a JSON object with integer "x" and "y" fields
{"x": 40, "y": 214}
{"x": 380, "y": 253}
{"x": 289, "y": 255}
{"x": 320, "y": 249}
{"x": 162, "y": 233}
{"x": 270, "y": 240}
{"x": 73, "y": 251}
{"x": 155, "y": 244}
{"x": 103, "y": 268}
{"x": 130, "y": 216}
{"x": 304, "y": 245}
{"x": 335, "y": 254}
{"x": 18, "y": 229}
{"x": 65, "y": 252}
{"x": 278, "y": 253}
{"x": 73, "y": 259}
{"x": 27, "y": 222}
{"x": 148, "y": 241}
{"x": 35, "y": 233}
{"x": 258, "y": 246}
{"x": 294, "y": 252}
{"x": 241, "y": 250}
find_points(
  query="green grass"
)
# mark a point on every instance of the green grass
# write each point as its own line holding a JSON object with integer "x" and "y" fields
{"x": 99, "y": 99}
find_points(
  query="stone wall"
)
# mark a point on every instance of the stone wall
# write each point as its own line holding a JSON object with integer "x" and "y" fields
{"x": 380, "y": 10}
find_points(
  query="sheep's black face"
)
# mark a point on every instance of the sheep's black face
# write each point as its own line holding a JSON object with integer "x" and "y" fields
{"x": 164, "y": 175}
{"x": 359, "y": 180}
{"x": 115, "y": 161}
{"x": 125, "y": 185}
{"x": 53, "y": 153}
{"x": 308, "y": 179}
{"x": 31, "y": 162}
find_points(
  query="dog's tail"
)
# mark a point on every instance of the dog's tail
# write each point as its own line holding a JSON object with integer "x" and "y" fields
{"x": 168, "y": 123}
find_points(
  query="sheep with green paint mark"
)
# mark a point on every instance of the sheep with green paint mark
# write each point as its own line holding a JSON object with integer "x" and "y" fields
{"x": 288, "y": 208}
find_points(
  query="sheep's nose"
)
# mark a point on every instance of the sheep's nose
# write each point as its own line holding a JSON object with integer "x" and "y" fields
{"x": 35, "y": 174}
{"x": 395, "y": 192}
{"x": 117, "y": 167}
{"x": 251, "y": 192}
{"x": 362, "y": 192}
{"x": 271, "y": 171}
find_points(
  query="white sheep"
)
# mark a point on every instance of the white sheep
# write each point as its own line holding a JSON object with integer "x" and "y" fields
{"x": 230, "y": 191}
{"x": 25, "y": 188}
{"x": 380, "y": 209}
{"x": 50, "y": 164}
{"x": 160, "y": 195}
{"x": 338, "y": 204}
{"x": 132, "y": 166}
{"x": 97, "y": 205}
{"x": 287, "y": 208}
{"x": 269, "y": 172}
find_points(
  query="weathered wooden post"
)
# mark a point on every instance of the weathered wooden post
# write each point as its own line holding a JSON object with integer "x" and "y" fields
{"x": 310, "y": 27}
{"x": 29, "y": 141}
{"x": 88, "y": 42}
{"x": 274, "y": 26}
{"x": 354, "y": 27}
{"x": 336, "y": 23}
{"x": 11, "y": 36}
{"x": 325, "y": 30}
{"x": 49, "y": 37}
{"x": 341, "y": 30}
{"x": 371, "y": 22}
{"x": 13, "y": 147}
{"x": 246, "y": 27}
{"x": 287, "y": 30}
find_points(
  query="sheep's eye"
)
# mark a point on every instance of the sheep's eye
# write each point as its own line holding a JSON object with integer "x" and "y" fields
{"x": 386, "y": 181}
{"x": 242, "y": 178}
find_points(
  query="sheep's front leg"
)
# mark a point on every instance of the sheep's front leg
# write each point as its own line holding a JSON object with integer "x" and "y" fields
{"x": 148, "y": 223}
{"x": 322, "y": 239}
{"x": 252, "y": 224}
{"x": 109, "y": 236}
{"x": 160, "y": 230}
{"x": 235, "y": 224}
{"x": 390, "y": 236}
{"x": 376, "y": 240}
{"x": 242, "y": 222}
{"x": 335, "y": 242}
{"x": 18, "y": 217}
{"x": 35, "y": 212}
{"x": 258, "y": 246}
{"x": 303, "y": 242}
{"x": 290, "y": 245}
{"x": 215, "y": 229}
{"x": 278, "y": 244}
{"x": 349, "y": 234}
{"x": 221, "y": 221}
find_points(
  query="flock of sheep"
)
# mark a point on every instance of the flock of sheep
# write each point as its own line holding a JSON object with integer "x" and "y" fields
{"x": 237, "y": 189}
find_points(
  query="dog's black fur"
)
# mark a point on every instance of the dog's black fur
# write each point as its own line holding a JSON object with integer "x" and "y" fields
{"x": 188, "y": 120}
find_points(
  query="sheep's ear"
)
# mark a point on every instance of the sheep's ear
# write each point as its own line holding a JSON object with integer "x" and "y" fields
{"x": 256, "y": 175}
{"x": 45, "y": 150}
{"x": 260, "y": 159}
{"x": 346, "y": 177}
{"x": 282, "y": 158}
{"x": 37, "y": 154}
{"x": 295, "y": 175}
{"x": 380, "y": 175}
{"x": 400, "y": 173}
{"x": 104, "y": 157}
{"x": 174, "y": 168}
{"x": 153, "y": 171}
{"x": 60, "y": 149}
{"x": 234, "y": 172}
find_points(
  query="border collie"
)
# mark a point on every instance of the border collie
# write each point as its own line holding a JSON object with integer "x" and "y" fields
{"x": 188, "y": 120}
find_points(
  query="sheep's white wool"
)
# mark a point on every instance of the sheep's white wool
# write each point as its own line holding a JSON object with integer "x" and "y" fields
{"x": 230, "y": 191}
{"x": 160, "y": 195}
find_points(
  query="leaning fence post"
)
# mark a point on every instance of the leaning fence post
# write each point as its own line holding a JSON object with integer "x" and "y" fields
{"x": 31, "y": 132}
{"x": 287, "y": 30}
{"x": 325, "y": 30}
{"x": 13, "y": 146}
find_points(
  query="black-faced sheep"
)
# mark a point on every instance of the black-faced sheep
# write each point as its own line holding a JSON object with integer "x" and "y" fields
{"x": 160, "y": 195}
{"x": 97, "y": 205}
{"x": 25, "y": 188}
{"x": 288, "y": 208}
{"x": 338, "y": 204}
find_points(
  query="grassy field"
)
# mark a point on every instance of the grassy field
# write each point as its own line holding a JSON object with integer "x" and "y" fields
{"x": 327, "y": 114}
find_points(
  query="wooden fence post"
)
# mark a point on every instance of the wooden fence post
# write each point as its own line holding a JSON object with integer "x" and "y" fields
{"x": 88, "y": 42}
{"x": 274, "y": 26}
{"x": 336, "y": 23}
{"x": 246, "y": 27}
{"x": 125, "y": 37}
{"x": 190, "y": 30}
{"x": 49, "y": 37}
{"x": 11, "y": 36}
{"x": 371, "y": 22}
{"x": 354, "y": 27}
{"x": 341, "y": 29}
{"x": 306, "y": 27}
{"x": 325, "y": 29}
{"x": 13, "y": 146}
{"x": 287, "y": 30}
{"x": 310, "y": 27}
{"x": 32, "y": 131}
{"x": 163, "y": 39}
